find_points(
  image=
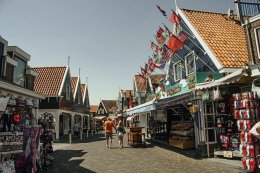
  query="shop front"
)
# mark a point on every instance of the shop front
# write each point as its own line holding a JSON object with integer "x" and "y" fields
{"x": 230, "y": 109}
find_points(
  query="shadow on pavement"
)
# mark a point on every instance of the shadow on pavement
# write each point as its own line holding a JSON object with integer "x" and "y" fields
{"x": 191, "y": 153}
{"x": 85, "y": 139}
{"x": 64, "y": 164}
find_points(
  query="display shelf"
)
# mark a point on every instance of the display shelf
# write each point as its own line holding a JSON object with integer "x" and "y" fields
{"x": 227, "y": 154}
{"x": 182, "y": 144}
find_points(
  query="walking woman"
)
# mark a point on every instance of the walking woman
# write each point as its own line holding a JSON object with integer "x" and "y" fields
{"x": 121, "y": 131}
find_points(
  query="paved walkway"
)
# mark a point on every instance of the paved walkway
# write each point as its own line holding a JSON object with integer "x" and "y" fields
{"x": 91, "y": 155}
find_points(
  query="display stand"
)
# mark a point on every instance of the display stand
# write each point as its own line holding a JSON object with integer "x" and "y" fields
{"x": 182, "y": 135}
{"x": 246, "y": 112}
{"x": 136, "y": 137}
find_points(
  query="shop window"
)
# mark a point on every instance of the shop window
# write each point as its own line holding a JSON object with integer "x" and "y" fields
{"x": 190, "y": 63}
{"x": 68, "y": 92}
{"x": 178, "y": 71}
{"x": 19, "y": 72}
{"x": 257, "y": 36}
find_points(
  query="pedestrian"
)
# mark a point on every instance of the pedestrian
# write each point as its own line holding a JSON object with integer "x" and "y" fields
{"x": 120, "y": 131}
{"x": 109, "y": 125}
{"x": 76, "y": 129}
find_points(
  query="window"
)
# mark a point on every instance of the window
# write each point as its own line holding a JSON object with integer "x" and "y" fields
{"x": 190, "y": 63}
{"x": 257, "y": 34}
{"x": 177, "y": 71}
{"x": 68, "y": 92}
{"x": 19, "y": 72}
{"x": 9, "y": 72}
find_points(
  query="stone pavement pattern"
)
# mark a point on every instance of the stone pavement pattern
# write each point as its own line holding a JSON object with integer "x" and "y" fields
{"x": 91, "y": 155}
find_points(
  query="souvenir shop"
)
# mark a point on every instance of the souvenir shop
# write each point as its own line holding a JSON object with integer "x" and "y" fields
{"x": 230, "y": 110}
{"x": 178, "y": 130}
{"x": 23, "y": 146}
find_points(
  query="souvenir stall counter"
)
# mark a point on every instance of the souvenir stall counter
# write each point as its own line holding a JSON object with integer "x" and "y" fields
{"x": 136, "y": 137}
{"x": 19, "y": 135}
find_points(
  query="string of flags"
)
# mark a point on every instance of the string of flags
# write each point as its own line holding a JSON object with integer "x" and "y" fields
{"x": 168, "y": 43}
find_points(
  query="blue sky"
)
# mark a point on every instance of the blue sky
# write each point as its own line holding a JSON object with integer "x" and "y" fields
{"x": 107, "y": 39}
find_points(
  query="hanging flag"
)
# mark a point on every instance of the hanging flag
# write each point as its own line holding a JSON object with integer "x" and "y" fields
{"x": 154, "y": 47}
{"x": 162, "y": 11}
{"x": 144, "y": 72}
{"x": 174, "y": 18}
{"x": 164, "y": 50}
{"x": 156, "y": 58}
{"x": 169, "y": 55}
{"x": 159, "y": 32}
{"x": 174, "y": 43}
{"x": 183, "y": 38}
{"x": 160, "y": 40}
{"x": 162, "y": 64}
{"x": 166, "y": 32}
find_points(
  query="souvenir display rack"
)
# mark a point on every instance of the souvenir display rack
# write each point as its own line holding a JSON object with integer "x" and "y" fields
{"x": 136, "y": 137}
{"x": 15, "y": 119}
{"x": 246, "y": 111}
{"x": 182, "y": 134}
{"x": 227, "y": 133}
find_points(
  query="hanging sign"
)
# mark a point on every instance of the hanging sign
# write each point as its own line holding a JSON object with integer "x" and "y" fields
{"x": 205, "y": 96}
{"x": 228, "y": 154}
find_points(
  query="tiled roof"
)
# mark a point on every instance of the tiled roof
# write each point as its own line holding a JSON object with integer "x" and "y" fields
{"x": 74, "y": 81}
{"x": 127, "y": 93}
{"x": 49, "y": 79}
{"x": 140, "y": 86}
{"x": 93, "y": 108}
{"x": 82, "y": 89}
{"x": 224, "y": 36}
{"x": 156, "y": 78}
{"x": 109, "y": 105}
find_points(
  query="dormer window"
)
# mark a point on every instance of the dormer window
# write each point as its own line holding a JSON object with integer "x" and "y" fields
{"x": 68, "y": 92}
{"x": 257, "y": 36}
{"x": 19, "y": 71}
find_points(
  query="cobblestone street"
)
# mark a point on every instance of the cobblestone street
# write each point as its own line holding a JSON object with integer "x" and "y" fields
{"x": 91, "y": 155}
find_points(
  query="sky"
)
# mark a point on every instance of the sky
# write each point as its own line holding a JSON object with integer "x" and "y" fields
{"x": 108, "y": 40}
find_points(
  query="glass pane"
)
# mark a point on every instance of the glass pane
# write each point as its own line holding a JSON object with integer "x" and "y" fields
{"x": 258, "y": 39}
{"x": 19, "y": 72}
{"x": 190, "y": 64}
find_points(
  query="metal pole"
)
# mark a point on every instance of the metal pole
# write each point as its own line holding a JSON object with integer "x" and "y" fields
{"x": 70, "y": 139}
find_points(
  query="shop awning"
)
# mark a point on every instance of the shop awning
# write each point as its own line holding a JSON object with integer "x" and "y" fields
{"x": 231, "y": 78}
{"x": 146, "y": 107}
{"x": 174, "y": 100}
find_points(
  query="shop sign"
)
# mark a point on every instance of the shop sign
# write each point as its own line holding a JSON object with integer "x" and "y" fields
{"x": 192, "y": 85}
{"x": 205, "y": 96}
{"x": 228, "y": 154}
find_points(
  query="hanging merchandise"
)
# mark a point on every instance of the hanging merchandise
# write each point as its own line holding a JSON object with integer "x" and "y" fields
{"x": 217, "y": 95}
{"x": 246, "y": 112}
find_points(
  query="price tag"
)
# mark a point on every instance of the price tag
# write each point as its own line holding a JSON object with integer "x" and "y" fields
{"x": 228, "y": 154}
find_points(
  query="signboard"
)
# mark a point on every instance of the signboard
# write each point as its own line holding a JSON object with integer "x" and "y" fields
{"x": 205, "y": 96}
{"x": 228, "y": 154}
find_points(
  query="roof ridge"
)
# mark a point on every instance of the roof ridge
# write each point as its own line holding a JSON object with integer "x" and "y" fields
{"x": 211, "y": 12}
{"x": 51, "y": 67}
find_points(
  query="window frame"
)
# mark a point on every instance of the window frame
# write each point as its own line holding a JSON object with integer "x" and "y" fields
{"x": 17, "y": 68}
{"x": 257, "y": 40}
{"x": 186, "y": 63}
{"x": 174, "y": 72}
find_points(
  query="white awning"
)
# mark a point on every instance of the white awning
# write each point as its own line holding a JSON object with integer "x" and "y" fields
{"x": 231, "y": 78}
{"x": 148, "y": 106}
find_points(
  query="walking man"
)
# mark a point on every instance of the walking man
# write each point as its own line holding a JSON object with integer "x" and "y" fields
{"x": 109, "y": 125}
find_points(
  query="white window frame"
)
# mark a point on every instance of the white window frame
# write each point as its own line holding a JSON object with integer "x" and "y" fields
{"x": 186, "y": 63}
{"x": 257, "y": 42}
{"x": 67, "y": 92}
{"x": 174, "y": 70}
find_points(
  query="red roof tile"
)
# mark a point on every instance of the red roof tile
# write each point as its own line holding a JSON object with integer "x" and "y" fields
{"x": 109, "y": 105}
{"x": 82, "y": 88}
{"x": 93, "y": 108}
{"x": 224, "y": 36}
{"x": 74, "y": 81}
{"x": 49, "y": 80}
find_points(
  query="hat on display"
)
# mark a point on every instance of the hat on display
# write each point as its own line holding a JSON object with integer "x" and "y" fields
{"x": 16, "y": 118}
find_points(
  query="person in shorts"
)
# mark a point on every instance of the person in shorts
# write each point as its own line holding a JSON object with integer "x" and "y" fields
{"x": 108, "y": 126}
{"x": 121, "y": 132}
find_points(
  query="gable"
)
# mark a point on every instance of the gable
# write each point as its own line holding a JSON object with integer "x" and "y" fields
{"x": 219, "y": 36}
